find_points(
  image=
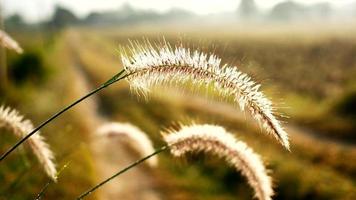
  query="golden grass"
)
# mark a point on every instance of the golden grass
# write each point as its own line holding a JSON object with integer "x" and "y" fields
{"x": 313, "y": 170}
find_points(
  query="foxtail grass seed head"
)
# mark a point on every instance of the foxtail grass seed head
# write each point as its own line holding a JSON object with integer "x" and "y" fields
{"x": 138, "y": 140}
{"x": 215, "y": 140}
{"x": 151, "y": 65}
{"x": 13, "y": 121}
{"x": 8, "y": 42}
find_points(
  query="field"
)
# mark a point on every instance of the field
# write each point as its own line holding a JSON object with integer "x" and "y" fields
{"x": 309, "y": 75}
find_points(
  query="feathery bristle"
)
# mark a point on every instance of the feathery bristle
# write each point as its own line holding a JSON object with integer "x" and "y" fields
{"x": 215, "y": 140}
{"x": 8, "y": 42}
{"x": 138, "y": 139}
{"x": 149, "y": 66}
{"x": 12, "y": 120}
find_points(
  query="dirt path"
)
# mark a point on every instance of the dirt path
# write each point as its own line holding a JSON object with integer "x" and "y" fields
{"x": 110, "y": 155}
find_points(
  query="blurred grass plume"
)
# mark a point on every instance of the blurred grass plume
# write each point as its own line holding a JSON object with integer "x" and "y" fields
{"x": 12, "y": 120}
{"x": 9, "y": 42}
{"x": 135, "y": 137}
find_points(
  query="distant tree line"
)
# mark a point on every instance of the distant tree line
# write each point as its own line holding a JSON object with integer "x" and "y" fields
{"x": 247, "y": 10}
{"x": 285, "y": 11}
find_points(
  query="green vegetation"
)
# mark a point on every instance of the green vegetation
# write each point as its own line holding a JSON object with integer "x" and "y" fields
{"x": 28, "y": 67}
{"x": 314, "y": 75}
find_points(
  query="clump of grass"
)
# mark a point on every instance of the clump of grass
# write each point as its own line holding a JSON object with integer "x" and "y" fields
{"x": 217, "y": 141}
{"x": 8, "y": 42}
{"x": 12, "y": 120}
{"x": 214, "y": 140}
{"x": 152, "y": 65}
{"x": 149, "y": 66}
{"x": 136, "y": 138}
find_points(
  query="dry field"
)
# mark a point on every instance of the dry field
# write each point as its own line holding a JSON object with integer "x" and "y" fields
{"x": 310, "y": 76}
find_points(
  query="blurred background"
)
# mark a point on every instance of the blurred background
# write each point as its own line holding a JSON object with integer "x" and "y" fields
{"x": 302, "y": 52}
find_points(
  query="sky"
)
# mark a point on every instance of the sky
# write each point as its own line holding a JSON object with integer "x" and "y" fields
{"x": 34, "y": 10}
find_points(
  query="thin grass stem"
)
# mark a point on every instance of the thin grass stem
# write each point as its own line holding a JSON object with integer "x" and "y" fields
{"x": 44, "y": 189}
{"x": 112, "y": 80}
{"x": 121, "y": 172}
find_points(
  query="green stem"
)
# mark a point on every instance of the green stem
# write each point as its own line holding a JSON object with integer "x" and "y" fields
{"x": 39, "y": 195}
{"x": 43, "y": 190}
{"x": 121, "y": 172}
{"x": 106, "y": 84}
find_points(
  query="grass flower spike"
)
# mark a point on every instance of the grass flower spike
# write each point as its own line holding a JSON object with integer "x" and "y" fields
{"x": 16, "y": 123}
{"x": 8, "y": 42}
{"x": 138, "y": 140}
{"x": 149, "y": 65}
{"x": 215, "y": 140}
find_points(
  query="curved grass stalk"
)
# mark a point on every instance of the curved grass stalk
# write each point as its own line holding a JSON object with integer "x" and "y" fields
{"x": 119, "y": 76}
{"x": 12, "y": 120}
{"x": 151, "y": 66}
{"x": 216, "y": 141}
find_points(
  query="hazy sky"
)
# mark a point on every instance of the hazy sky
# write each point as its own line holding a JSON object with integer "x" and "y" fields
{"x": 39, "y": 9}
